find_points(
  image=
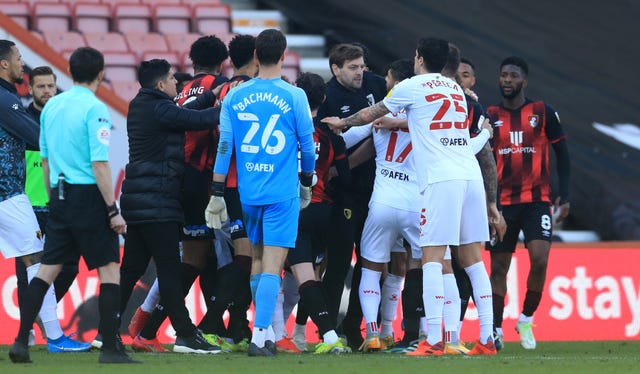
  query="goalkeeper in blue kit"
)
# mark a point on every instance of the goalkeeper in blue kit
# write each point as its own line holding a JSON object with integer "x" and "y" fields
{"x": 265, "y": 121}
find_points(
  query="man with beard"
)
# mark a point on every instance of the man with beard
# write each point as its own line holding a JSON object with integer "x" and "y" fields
{"x": 523, "y": 131}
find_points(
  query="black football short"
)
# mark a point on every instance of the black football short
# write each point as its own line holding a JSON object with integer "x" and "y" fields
{"x": 534, "y": 219}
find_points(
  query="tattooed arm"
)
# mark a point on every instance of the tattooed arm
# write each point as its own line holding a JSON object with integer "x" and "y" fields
{"x": 490, "y": 178}
{"x": 364, "y": 116}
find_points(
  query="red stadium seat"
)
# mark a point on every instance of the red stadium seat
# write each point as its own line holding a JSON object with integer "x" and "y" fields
{"x": 127, "y": 90}
{"x": 120, "y": 66}
{"x": 113, "y": 3}
{"x": 196, "y": 2}
{"x": 181, "y": 43}
{"x": 132, "y": 18}
{"x": 169, "y": 2}
{"x": 106, "y": 41}
{"x": 139, "y": 42}
{"x": 89, "y": 17}
{"x": 51, "y": 17}
{"x": 291, "y": 65}
{"x": 19, "y": 12}
{"x": 62, "y": 41}
{"x": 212, "y": 19}
{"x": 172, "y": 18}
{"x": 172, "y": 57}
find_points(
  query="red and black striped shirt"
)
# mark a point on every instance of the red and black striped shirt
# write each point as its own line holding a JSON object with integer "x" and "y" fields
{"x": 521, "y": 139}
{"x": 200, "y": 146}
{"x": 329, "y": 149}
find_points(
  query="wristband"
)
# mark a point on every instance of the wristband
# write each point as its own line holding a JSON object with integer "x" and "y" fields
{"x": 306, "y": 179}
{"x": 217, "y": 188}
{"x": 112, "y": 210}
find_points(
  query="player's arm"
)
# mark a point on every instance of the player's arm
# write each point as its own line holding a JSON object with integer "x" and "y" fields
{"x": 342, "y": 162}
{"x": 182, "y": 118}
{"x": 365, "y": 152}
{"x": 364, "y": 116}
{"x": 20, "y": 124}
{"x": 387, "y": 122}
{"x": 557, "y": 137}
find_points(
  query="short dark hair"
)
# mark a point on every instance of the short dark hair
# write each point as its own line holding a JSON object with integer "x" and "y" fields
{"x": 153, "y": 71}
{"x": 270, "y": 46}
{"x": 5, "y": 49}
{"x": 435, "y": 52}
{"x": 453, "y": 61}
{"x": 208, "y": 51}
{"x": 315, "y": 88}
{"x": 468, "y": 62}
{"x": 342, "y": 53}
{"x": 241, "y": 49}
{"x": 365, "y": 51}
{"x": 40, "y": 70}
{"x": 516, "y": 61}
{"x": 182, "y": 77}
{"x": 85, "y": 64}
{"x": 401, "y": 69}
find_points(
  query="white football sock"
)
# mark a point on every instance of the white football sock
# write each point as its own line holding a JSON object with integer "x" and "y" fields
{"x": 48, "y": 312}
{"x": 433, "y": 299}
{"x": 482, "y": 296}
{"x": 391, "y": 289}
{"x": 152, "y": 299}
{"x": 369, "y": 292}
{"x": 330, "y": 337}
{"x": 258, "y": 336}
{"x": 451, "y": 309}
{"x": 279, "y": 328}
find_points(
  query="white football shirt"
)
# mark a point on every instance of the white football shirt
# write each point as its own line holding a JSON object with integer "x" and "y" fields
{"x": 437, "y": 115}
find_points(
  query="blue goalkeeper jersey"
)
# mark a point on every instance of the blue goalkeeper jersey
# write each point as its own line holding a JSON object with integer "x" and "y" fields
{"x": 265, "y": 120}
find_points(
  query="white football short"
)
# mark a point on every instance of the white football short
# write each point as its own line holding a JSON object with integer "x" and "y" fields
{"x": 19, "y": 231}
{"x": 384, "y": 230}
{"x": 454, "y": 213}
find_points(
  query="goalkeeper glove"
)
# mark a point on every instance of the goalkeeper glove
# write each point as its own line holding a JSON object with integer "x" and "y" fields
{"x": 306, "y": 181}
{"x": 216, "y": 211}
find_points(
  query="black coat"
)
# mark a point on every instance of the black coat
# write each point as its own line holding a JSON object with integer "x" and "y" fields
{"x": 151, "y": 191}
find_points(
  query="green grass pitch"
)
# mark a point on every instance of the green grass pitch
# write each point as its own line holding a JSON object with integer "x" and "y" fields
{"x": 549, "y": 358}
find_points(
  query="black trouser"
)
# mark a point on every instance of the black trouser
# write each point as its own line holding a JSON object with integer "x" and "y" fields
{"x": 160, "y": 241}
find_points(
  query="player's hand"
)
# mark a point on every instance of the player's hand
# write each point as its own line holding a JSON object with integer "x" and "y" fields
{"x": 334, "y": 123}
{"x": 471, "y": 93}
{"x": 563, "y": 210}
{"x": 385, "y": 122}
{"x": 216, "y": 212}
{"x": 486, "y": 124}
{"x": 305, "y": 196}
{"x": 496, "y": 222}
{"x": 118, "y": 224}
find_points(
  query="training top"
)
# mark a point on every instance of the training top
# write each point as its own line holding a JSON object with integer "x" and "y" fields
{"x": 75, "y": 131}
{"x": 437, "y": 116}
{"x": 264, "y": 120}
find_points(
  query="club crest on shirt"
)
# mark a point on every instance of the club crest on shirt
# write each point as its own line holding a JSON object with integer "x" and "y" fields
{"x": 39, "y": 235}
{"x": 347, "y": 213}
{"x": 533, "y": 120}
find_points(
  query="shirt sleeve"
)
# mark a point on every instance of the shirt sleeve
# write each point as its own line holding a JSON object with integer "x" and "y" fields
{"x": 304, "y": 130}
{"x": 400, "y": 97}
{"x": 225, "y": 145}
{"x": 356, "y": 134}
{"x": 553, "y": 127}
{"x": 99, "y": 132}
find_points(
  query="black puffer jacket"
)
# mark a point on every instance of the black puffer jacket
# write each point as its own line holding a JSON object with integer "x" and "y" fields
{"x": 151, "y": 191}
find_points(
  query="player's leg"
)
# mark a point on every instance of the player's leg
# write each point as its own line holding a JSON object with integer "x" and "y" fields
{"x": 390, "y": 295}
{"x": 537, "y": 229}
{"x": 501, "y": 254}
{"x": 451, "y": 309}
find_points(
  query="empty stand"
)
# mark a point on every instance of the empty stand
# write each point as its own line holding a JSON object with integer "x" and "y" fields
{"x": 132, "y": 18}
{"x": 64, "y": 41}
{"x": 181, "y": 43}
{"x": 19, "y": 12}
{"x": 291, "y": 65}
{"x": 172, "y": 18}
{"x": 91, "y": 17}
{"x": 212, "y": 18}
{"x": 51, "y": 17}
{"x": 120, "y": 66}
{"x": 140, "y": 42}
{"x": 172, "y": 57}
{"x": 127, "y": 90}
{"x": 106, "y": 41}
